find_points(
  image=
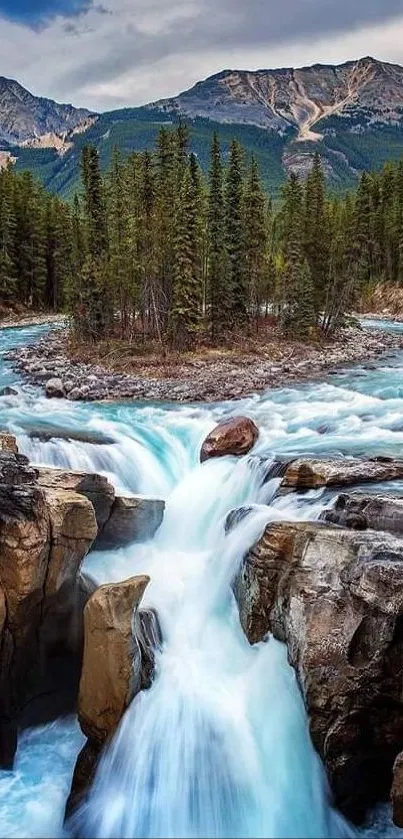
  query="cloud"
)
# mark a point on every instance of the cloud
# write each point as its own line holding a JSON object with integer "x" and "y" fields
{"x": 127, "y": 52}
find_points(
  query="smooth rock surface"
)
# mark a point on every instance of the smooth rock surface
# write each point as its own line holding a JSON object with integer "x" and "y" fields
{"x": 335, "y": 597}
{"x": 235, "y": 436}
{"x": 307, "y": 473}
{"x": 131, "y": 520}
{"x": 111, "y": 674}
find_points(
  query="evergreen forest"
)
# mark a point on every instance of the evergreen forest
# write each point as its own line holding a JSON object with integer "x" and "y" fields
{"x": 155, "y": 251}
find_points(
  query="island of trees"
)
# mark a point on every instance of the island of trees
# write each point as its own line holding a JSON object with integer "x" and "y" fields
{"x": 157, "y": 251}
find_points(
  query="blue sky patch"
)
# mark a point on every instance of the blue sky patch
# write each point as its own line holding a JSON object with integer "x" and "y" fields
{"x": 36, "y": 12}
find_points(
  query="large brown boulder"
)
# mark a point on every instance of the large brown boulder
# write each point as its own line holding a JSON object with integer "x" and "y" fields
{"x": 367, "y": 512}
{"x": 96, "y": 488}
{"x": 311, "y": 473}
{"x": 335, "y": 597}
{"x": 131, "y": 520}
{"x": 111, "y": 673}
{"x": 235, "y": 436}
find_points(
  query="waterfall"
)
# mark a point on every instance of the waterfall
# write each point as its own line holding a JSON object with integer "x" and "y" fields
{"x": 219, "y": 746}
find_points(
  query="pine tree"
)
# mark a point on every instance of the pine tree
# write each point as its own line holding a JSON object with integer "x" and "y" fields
{"x": 187, "y": 290}
{"x": 236, "y": 279}
{"x": 316, "y": 244}
{"x": 220, "y": 304}
{"x": 258, "y": 268}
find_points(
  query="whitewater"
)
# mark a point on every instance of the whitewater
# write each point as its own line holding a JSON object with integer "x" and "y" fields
{"x": 219, "y": 746}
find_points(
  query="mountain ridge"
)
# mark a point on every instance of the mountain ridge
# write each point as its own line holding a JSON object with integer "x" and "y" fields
{"x": 352, "y": 113}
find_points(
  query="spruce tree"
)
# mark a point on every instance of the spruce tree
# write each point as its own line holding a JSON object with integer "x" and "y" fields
{"x": 236, "y": 277}
{"x": 220, "y": 304}
{"x": 187, "y": 290}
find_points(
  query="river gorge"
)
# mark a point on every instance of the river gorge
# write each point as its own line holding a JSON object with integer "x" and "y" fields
{"x": 219, "y": 746}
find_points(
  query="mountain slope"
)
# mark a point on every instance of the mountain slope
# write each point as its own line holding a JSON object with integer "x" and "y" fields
{"x": 369, "y": 92}
{"x": 352, "y": 114}
{"x": 28, "y": 119}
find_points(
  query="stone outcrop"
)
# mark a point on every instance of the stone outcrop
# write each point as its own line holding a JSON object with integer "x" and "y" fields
{"x": 96, "y": 488}
{"x": 44, "y": 536}
{"x": 397, "y": 791}
{"x": 311, "y": 473}
{"x": 111, "y": 673}
{"x": 335, "y": 597}
{"x": 367, "y": 512}
{"x": 8, "y": 443}
{"x": 131, "y": 520}
{"x": 235, "y": 436}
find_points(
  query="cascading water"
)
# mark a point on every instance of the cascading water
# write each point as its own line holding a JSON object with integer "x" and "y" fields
{"x": 219, "y": 746}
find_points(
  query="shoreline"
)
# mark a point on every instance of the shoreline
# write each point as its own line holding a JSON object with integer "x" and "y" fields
{"x": 217, "y": 377}
{"x": 15, "y": 322}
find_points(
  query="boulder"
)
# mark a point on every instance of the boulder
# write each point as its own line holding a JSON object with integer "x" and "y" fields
{"x": 54, "y": 389}
{"x": 367, "y": 512}
{"x": 335, "y": 597}
{"x": 96, "y": 488}
{"x": 307, "y": 473}
{"x": 397, "y": 791}
{"x": 8, "y": 391}
{"x": 111, "y": 674}
{"x": 14, "y": 471}
{"x": 235, "y": 436}
{"x": 8, "y": 443}
{"x": 131, "y": 520}
{"x": 46, "y": 432}
{"x": 149, "y": 636}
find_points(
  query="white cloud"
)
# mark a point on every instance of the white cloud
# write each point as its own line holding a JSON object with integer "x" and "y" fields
{"x": 143, "y": 51}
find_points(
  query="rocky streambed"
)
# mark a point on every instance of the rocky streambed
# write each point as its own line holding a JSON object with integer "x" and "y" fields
{"x": 332, "y": 590}
{"x": 215, "y": 377}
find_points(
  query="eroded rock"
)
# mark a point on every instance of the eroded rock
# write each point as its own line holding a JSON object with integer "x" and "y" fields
{"x": 335, "y": 597}
{"x": 367, "y": 512}
{"x": 307, "y": 473}
{"x": 96, "y": 488}
{"x": 8, "y": 443}
{"x": 235, "y": 436}
{"x": 131, "y": 520}
{"x": 111, "y": 674}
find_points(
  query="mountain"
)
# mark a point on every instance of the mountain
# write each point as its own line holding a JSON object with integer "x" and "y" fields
{"x": 352, "y": 114}
{"x": 31, "y": 120}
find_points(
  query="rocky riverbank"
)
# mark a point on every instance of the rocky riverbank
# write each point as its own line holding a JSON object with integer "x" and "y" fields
{"x": 212, "y": 376}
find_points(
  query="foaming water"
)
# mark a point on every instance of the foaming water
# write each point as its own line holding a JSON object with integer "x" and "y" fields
{"x": 219, "y": 746}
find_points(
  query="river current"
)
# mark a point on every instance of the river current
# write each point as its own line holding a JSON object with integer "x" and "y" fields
{"x": 219, "y": 746}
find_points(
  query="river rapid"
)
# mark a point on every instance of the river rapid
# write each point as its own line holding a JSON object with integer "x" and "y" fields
{"x": 219, "y": 746}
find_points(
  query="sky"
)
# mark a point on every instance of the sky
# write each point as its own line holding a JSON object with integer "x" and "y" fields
{"x": 105, "y": 54}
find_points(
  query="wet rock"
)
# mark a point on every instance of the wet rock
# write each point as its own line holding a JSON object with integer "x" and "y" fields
{"x": 15, "y": 470}
{"x": 96, "y": 488}
{"x": 111, "y": 674}
{"x": 311, "y": 473}
{"x": 44, "y": 433}
{"x": 8, "y": 391}
{"x": 335, "y": 597}
{"x": 397, "y": 791}
{"x": 149, "y": 637}
{"x": 235, "y": 436}
{"x": 8, "y": 443}
{"x": 55, "y": 389}
{"x": 131, "y": 520}
{"x": 367, "y": 512}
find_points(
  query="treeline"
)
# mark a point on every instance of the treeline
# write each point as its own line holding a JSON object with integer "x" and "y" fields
{"x": 157, "y": 250}
{"x": 35, "y": 243}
